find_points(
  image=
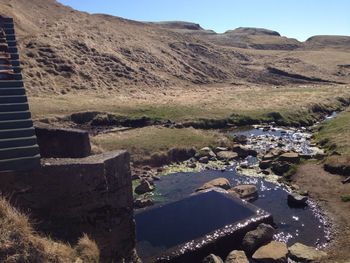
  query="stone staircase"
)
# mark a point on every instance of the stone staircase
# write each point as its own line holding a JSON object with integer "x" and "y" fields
{"x": 18, "y": 145}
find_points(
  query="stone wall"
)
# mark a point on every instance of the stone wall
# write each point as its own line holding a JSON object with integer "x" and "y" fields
{"x": 57, "y": 142}
{"x": 69, "y": 197}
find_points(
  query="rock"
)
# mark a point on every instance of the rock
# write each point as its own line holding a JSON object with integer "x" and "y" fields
{"x": 142, "y": 202}
{"x": 268, "y": 156}
{"x": 212, "y": 259}
{"x": 192, "y": 165}
{"x": 227, "y": 155}
{"x": 302, "y": 253}
{"x": 244, "y": 151}
{"x": 265, "y": 172}
{"x": 241, "y": 139}
{"x": 220, "y": 149}
{"x": 280, "y": 167}
{"x": 274, "y": 252}
{"x": 290, "y": 157}
{"x": 144, "y": 187}
{"x": 237, "y": 256}
{"x": 218, "y": 182}
{"x": 246, "y": 191}
{"x": 262, "y": 235}
{"x": 181, "y": 154}
{"x": 265, "y": 164}
{"x": 203, "y": 159}
{"x": 205, "y": 152}
{"x": 296, "y": 200}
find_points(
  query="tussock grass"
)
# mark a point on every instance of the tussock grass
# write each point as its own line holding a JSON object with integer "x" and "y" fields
{"x": 20, "y": 243}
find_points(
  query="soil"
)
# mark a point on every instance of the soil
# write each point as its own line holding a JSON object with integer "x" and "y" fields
{"x": 326, "y": 189}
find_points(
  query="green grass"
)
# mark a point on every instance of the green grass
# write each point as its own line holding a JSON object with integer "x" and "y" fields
{"x": 345, "y": 198}
{"x": 335, "y": 134}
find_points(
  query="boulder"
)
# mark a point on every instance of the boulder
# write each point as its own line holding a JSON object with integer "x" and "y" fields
{"x": 302, "y": 253}
{"x": 142, "y": 202}
{"x": 264, "y": 164}
{"x": 268, "y": 156}
{"x": 244, "y": 151}
{"x": 205, "y": 152}
{"x": 220, "y": 149}
{"x": 144, "y": 187}
{"x": 237, "y": 256}
{"x": 212, "y": 259}
{"x": 262, "y": 235}
{"x": 241, "y": 139}
{"x": 180, "y": 154}
{"x": 289, "y": 157}
{"x": 218, "y": 182}
{"x": 204, "y": 159}
{"x": 227, "y": 155}
{"x": 274, "y": 252}
{"x": 297, "y": 200}
{"x": 280, "y": 167}
{"x": 246, "y": 191}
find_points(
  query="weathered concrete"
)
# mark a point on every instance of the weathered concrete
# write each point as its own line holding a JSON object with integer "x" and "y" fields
{"x": 69, "y": 197}
{"x": 55, "y": 142}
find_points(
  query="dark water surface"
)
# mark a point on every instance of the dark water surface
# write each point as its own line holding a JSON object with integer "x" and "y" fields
{"x": 305, "y": 225}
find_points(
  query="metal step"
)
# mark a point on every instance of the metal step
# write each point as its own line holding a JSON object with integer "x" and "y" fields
{"x": 6, "y": 25}
{"x": 20, "y": 164}
{"x": 11, "y": 84}
{"x": 7, "y": 107}
{"x": 6, "y": 20}
{"x": 18, "y": 142}
{"x": 13, "y": 99}
{"x": 11, "y": 37}
{"x": 14, "y": 56}
{"x": 18, "y": 152}
{"x": 15, "y": 124}
{"x": 16, "y": 115}
{"x": 9, "y": 31}
{"x": 11, "y": 43}
{"x": 17, "y": 133}
{"x": 12, "y": 91}
{"x": 12, "y": 50}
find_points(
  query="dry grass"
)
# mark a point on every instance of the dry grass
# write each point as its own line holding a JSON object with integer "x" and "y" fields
{"x": 180, "y": 104}
{"x": 19, "y": 242}
{"x": 142, "y": 143}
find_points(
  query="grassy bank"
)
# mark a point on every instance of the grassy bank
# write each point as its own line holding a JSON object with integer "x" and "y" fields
{"x": 144, "y": 142}
{"x": 334, "y": 135}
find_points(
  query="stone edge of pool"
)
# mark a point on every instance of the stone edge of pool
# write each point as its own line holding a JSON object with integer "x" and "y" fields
{"x": 220, "y": 241}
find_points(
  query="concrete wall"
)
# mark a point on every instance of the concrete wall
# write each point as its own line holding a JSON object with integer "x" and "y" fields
{"x": 69, "y": 197}
{"x": 57, "y": 142}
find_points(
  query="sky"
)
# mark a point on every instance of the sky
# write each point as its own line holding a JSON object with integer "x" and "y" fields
{"x": 298, "y": 19}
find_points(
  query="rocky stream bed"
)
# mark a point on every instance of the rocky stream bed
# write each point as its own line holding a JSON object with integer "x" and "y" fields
{"x": 256, "y": 169}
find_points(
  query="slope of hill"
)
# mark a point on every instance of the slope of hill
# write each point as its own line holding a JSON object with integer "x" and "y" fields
{"x": 65, "y": 51}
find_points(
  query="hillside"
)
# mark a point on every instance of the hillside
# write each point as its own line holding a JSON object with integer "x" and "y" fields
{"x": 66, "y": 51}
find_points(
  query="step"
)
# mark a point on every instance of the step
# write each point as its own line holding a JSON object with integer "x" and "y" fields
{"x": 14, "y": 56}
{"x": 13, "y": 99}
{"x": 6, "y": 25}
{"x": 15, "y": 124}
{"x": 7, "y": 107}
{"x": 17, "y": 133}
{"x": 11, "y": 43}
{"x": 17, "y": 115}
{"x": 10, "y": 31}
{"x": 11, "y": 37}
{"x": 13, "y": 76}
{"x": 15, "y": 63}
{"x": 12, "y": 50}
{"x": 20, "y": 164}
{"x": 18, "y": 152}
{"x": 18, "y": 142}
{"x": 17, "y": 70}
{"x": 6, "y": 20}
{"x": 11, "y": 84}
{"x": 12, "y": 91}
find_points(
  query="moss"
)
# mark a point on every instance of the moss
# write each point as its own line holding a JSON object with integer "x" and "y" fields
{"x": 345, "y": 198}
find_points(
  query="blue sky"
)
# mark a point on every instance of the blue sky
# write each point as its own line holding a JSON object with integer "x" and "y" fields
{"x": 293, "y": 18}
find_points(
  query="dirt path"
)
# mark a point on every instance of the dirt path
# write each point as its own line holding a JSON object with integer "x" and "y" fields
{"x": 327, "y": 188}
